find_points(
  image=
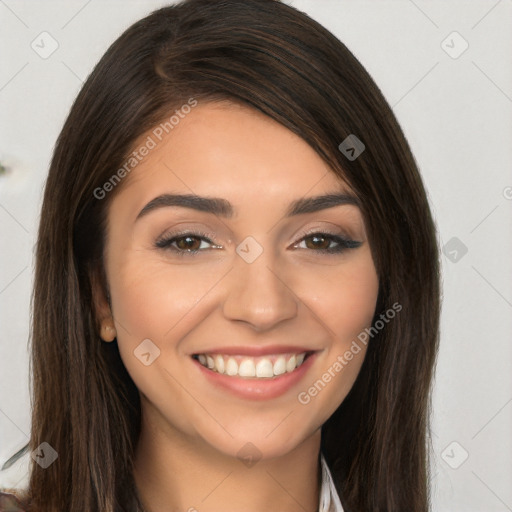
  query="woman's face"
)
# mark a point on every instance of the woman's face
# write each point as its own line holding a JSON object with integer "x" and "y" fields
{"x": 255, "y": 282}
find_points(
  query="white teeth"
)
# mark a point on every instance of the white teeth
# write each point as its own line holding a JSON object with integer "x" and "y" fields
{"x": 291, "y": 364}
{"x": 231, "y": 367}
{"x": 219, "y": 364}
{"x": 247, "y": 369}
{"x": 264, "y": 368}
{"x": 251, "y": 367}
{"x": 280, "y": 366}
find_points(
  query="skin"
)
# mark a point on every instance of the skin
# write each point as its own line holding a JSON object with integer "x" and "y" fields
{"x": 292, "y": 294}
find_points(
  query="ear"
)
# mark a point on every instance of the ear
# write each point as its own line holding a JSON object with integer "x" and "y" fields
{"x": 101, "y": 305}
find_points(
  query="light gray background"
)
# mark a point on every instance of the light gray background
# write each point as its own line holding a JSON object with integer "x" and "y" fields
{"x": 456, "y": 113}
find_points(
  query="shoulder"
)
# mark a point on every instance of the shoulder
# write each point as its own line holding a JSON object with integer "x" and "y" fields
{"x": 12, "y": 501}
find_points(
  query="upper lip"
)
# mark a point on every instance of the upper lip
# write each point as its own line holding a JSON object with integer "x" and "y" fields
{"x": 255, "y": 351}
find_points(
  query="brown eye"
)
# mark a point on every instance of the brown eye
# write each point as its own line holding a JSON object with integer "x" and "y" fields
{"x": 317, "y": 242}
{"x": 327, "y": 243}
{"x": 188, "y": 243}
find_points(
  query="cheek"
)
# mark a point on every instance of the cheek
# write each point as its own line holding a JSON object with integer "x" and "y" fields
{"x": 345, "y": 297}
{"x": 347, "y": 309}
{"x": 356, "y": 302}
{"x": 152, "y": 298}
{"x": 155, "y": 300}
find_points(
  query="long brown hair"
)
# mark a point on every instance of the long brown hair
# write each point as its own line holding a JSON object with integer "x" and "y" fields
{"x": 271, "y": 57}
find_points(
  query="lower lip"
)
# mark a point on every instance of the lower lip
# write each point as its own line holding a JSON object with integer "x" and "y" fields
{"x": 257, "y": 389}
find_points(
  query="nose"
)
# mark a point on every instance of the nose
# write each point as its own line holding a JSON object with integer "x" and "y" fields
{"x": 259, "y": 294}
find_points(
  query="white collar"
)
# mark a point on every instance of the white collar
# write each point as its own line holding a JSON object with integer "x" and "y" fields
{"x": 329, "y": 500}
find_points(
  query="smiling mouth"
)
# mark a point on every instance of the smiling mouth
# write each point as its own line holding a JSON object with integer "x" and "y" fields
{"x": 264, "y": 367}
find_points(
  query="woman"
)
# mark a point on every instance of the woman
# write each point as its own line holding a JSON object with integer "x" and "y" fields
{"x": 236, "y": 301}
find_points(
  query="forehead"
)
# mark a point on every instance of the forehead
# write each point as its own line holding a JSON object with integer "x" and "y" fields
{"x": 226, "y": 150}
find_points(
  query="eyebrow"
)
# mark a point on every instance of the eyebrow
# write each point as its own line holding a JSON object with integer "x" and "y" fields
{"x": 224, "y": 208}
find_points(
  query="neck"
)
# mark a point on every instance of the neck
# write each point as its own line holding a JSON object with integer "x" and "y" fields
{"x": 175, "y": 472}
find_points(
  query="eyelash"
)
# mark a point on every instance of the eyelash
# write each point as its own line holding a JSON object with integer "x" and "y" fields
{"x": 343, "y": 243}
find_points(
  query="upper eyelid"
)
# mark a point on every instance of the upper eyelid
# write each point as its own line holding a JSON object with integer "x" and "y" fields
{"x": 193, "y": 227}
{"x": 324, "y": 231}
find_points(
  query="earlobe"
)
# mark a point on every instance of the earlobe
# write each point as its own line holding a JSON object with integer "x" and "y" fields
{"x": 101, "y": 308}
{"x": 108, "y": 332}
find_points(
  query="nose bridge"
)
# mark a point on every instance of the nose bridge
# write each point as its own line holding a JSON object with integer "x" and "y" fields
{"x": 257, "y": 293}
